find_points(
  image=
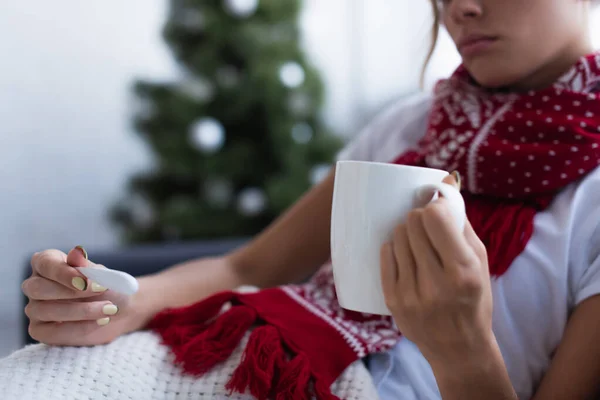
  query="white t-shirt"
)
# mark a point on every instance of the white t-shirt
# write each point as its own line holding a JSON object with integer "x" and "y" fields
{"x": 559, "y": 268}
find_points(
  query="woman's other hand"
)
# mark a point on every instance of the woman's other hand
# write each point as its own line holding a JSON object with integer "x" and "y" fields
{"x": 66, "y": 308}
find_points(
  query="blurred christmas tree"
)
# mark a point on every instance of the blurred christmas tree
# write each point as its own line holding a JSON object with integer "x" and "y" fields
{"x": 236, "y": 140}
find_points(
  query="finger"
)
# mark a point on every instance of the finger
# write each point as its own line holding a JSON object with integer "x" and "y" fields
{"x": 56, "y": 311}
{"x": 428, "y": 264}
{"x": 40, "y": 288}
{"x": 449, "y": 242}
{"x": 80, "y": 333}
{"x": 119, "y": 299}
{"x": 52, "y": 265}
{"x": 77, "y": 257}
{"x": 424, "y": 197}
{"x": 453, "y": 179}
{"x": 389, "y": 273}
{"x": 405, "y": 262}
{"x": 476, "y": 244}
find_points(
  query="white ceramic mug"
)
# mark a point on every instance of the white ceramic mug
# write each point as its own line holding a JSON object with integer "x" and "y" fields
{"x": 369, "y": 200}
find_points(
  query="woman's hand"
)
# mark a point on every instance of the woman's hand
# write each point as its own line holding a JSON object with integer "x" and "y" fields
{"x": 65, "y": 308}
{"x": 437, "y": 285}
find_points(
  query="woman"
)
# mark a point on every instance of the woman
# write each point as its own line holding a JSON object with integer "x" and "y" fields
{"x": 520, "y": 121}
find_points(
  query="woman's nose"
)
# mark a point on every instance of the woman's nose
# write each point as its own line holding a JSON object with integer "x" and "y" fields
{"x": 461, "y": 10}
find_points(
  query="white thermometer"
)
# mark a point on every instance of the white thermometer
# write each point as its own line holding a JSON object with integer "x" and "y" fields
{"x": 111, "y": 279}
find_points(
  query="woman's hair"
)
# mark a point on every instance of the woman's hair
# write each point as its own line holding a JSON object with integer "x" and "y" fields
{"x": 435, "y": 32}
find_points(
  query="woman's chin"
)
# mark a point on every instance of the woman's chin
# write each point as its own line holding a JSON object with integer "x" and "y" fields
{"x": 493, "y": 76}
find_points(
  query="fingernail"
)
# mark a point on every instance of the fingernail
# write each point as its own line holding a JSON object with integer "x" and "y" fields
{"x": 456, "y": 176}
{"x": 79, "y": 283}
{"x": 103, "y": 321}
{"x": 110, "y": 309}
{"x": 98, "y": 288}
{"x": 80, "y": 248}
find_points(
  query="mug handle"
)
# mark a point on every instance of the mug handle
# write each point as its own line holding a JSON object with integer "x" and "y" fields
{"x": 454, "y": 198}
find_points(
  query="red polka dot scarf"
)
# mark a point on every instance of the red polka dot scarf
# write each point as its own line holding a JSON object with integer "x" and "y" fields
{"x": 514, "y": 151}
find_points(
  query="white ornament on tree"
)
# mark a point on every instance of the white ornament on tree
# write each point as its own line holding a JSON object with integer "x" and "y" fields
{"x": 218, "y": 192}
{"x": 207, "y": 135}
{"x": 319, "y": 172}
{"x": 291, "y": 74}
{"x": 241, "y": 8}
{"x": 251, "y": 202}
{"x": 302, "y": 133}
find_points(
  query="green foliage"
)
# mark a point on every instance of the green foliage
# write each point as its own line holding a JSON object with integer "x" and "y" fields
{"x": 273, "y": 133}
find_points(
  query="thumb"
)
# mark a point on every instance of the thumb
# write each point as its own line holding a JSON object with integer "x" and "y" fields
{"x": 453, "y": 179}
{"x": 425, "y": 196}
{"x": 78, "y": 257}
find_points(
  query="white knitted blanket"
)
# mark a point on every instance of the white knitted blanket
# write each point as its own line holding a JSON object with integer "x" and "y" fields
{"x": 133, "y": 367}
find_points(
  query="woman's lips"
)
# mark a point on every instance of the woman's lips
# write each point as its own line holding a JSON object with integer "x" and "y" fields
{"x": 475, "y": 44}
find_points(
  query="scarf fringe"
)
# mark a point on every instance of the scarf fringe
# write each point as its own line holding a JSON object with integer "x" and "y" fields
{"x": 257, "y": 368}
{"x": 218, "y": 341}
{"x": 198, "y": 347}
{"x": 266, "y": 372}
{"x": 294, "y": 382}
{"x": 202, "y": 336}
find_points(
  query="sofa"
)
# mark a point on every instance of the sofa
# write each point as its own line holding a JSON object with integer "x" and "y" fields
{"x": 145, "y": 259}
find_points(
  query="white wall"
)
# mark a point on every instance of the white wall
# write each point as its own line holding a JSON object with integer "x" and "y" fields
{"x": 66, "y": 147}
{"x": 65, "y": 69}
{"x": 371, "y": 52}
